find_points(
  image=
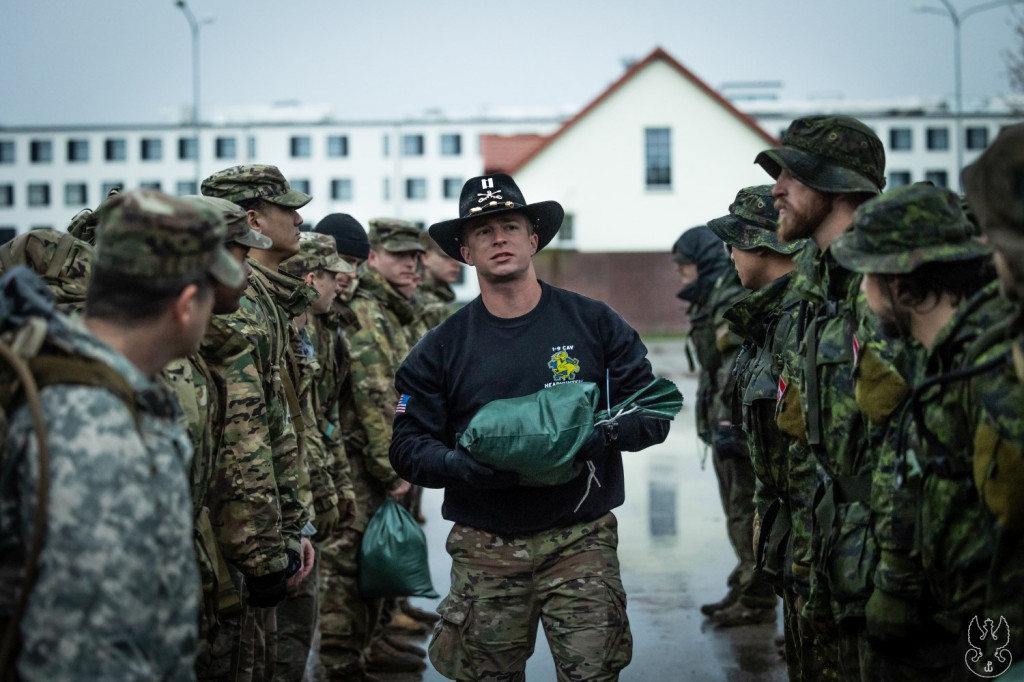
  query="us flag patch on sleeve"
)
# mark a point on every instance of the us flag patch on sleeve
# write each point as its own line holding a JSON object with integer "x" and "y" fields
{"x": 403, "y": 401}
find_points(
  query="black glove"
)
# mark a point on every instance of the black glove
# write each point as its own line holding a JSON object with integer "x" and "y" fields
{"x": 459, "y": 465}
{"x": 730, "y": 441}
{"x": 266, "y": 590}
{"x": 596, "y": 444}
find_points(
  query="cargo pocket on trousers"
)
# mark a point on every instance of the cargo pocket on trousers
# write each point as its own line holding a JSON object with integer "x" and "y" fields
{"x": 447, "y": 643}
{"x": 619, "y": 643}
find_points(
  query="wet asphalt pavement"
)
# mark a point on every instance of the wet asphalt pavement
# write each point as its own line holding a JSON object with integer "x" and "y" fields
{"x": 674, "y": 556}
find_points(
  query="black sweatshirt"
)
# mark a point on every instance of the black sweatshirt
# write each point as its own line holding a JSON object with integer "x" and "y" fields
{"x": 473, "y": 358}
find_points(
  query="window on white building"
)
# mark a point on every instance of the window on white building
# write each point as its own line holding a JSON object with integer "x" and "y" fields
{"x": 150, "y": 184}
{"x": 412, "y": 145}
{"x": 109, "y": 186}
{"x": 386, "y": 189}
{"x": 6, "y": 151}
{"x": 415, "y": 188}
{"x": 6, "y": 196}
{"x": 451, "y": 144}
{"x": 225, "y": 147}
{"x": 566, "y": 232}
{"x": 658, "y": 149}
{"x": 300, "y": 185}
{"x": 937, "y": 139}
{"x": 39, "y": 194}
{"x": 301, "y": 146}
{"x": 337, "y": 146}
{"x": 75, "y": 194}
{"x": 452, "y": 188}
{"x": 939, "y": 178}
{"x": 977, "y": 138}
{"x": 898, "y": 178}
{"x": 41, "y": 151}
{"x": 341, "y": 189}
{"x": 188, "y": 148}
{"x": 184, "y": 187}
{"x": 78, "y": 151}
{"x": 115, "y": 149}
{"x": 901, "y": 139}
{"x": 151, "y": 149}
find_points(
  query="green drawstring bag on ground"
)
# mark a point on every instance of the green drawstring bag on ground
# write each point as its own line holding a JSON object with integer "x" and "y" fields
{"x": 535, "y": 435}
{"x": 393, "y": 556}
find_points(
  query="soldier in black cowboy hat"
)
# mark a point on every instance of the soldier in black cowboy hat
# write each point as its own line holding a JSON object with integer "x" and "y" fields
{"x": 521, "y": 336}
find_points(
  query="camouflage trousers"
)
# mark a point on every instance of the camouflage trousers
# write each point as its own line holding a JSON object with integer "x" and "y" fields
{"x": 735, "y": 476}
{"x": 347, "y": 619}
{"x": 240, "y": 650}
{"x": 502, "y": 587}
{"x": 296, "y": 623}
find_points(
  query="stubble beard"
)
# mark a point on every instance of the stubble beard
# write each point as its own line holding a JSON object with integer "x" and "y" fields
{"x": 800, "y": 223}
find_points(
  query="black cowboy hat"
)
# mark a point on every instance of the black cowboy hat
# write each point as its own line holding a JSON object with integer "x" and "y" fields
{"x": 498, "y": 193}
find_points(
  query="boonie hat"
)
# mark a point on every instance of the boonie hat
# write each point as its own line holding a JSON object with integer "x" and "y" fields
{"x": 753, "y": 222}
{"x": 146, "y": 233}
{"x": 490, "y": 194}
{"x": 395, "y": 235}
{"x": 829, "y": 154}
{"x": 254, "y": 181}
{"x": 906, "y": 227}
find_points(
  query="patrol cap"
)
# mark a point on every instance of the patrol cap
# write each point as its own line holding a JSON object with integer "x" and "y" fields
{"x": 316, "y": 252}
{"x": 829, "y": 154}
{"x": 753, "y": 222}
{"x": 905, "y": 228}
{"x": 238, "y": 230}
{"x": 348, "y": 234}
{"x": 429, "y": 245}
{"x": 395, "y": 235}
{"x": 146, "y": 233}
{"x": 995, "y": 186}
{"x": 254, "y": 181}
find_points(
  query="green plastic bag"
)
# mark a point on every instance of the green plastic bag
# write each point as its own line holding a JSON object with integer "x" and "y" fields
{"x": 535, "y": 435}
{"x": 393, "y": 555}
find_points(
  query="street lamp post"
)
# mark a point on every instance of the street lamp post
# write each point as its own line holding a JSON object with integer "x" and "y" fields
{"x": 958, "y": 19}
{"x": 194, "y": 26}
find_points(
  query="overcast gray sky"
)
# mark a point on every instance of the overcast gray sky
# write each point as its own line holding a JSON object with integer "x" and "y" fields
{"x": 129, "y": 61}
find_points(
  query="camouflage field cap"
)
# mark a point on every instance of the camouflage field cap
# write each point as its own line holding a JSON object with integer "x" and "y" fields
{"x": 394, "y": 235}
{"x": 829, "y": 154}
{"x": 239, "y": 183}
{"x": 429, "y": 245}
{"x": 316, "y": 252}
{"x": 995, "y": 186}
{"x": 62, "y": 260}
{"x": 146, "y": 233}
{"x": 238, "y": 230}
{"x": 753, "y": 222}
{"x": 905, "y": 228}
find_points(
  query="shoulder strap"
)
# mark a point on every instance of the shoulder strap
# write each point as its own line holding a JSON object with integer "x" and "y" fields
{"x": 52, "y": 370}
{"x": 67, "y": 241}
{"x": 10, "y": 643}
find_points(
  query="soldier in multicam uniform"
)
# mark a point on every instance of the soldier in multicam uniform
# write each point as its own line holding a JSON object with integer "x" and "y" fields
{"x": 62, "y": 260}
{"x": 993, "y": 185}
{"x": 826, "y": 167}
{"x": 713, "y": 286}
{"x": 237, "y": 518}
{"x": 765, "y": 321}
{"x": 271, "y": 300}
{"x": 435, "y": 293}
{"x": 117, "y": 594}
{"x": 521, "y": 555}
{"x": 927, "y": 276}
{"x": 377, "y": 348}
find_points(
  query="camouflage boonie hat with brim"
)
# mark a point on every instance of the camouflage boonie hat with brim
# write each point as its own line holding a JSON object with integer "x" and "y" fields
{"x": 753, "y": 222}
{"x": 905, "y": 228}
{"x": 235, "y": 220}
{"x": 146, "y": 233}
{"x": 316, "y": 252}
{"x": 394, "y": 235}
{"x": 61, "y": 259}
{"x": 829, "y": 154}
{"x": 240, "y": 183}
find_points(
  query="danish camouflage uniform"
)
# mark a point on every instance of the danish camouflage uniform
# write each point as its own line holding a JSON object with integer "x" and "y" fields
{"x": 831, "y": 457}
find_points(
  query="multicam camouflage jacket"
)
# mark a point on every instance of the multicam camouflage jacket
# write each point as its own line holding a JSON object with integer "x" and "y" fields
{"x": 435, "y": 300}
{"x": 256, "y": 391}
{"x": 939, "y": 540}
{"x": 377, "y": 349}
{"x": 326, "y": 336}
{"x": 118, "y": 591}
{"x": 717, "y": 348}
